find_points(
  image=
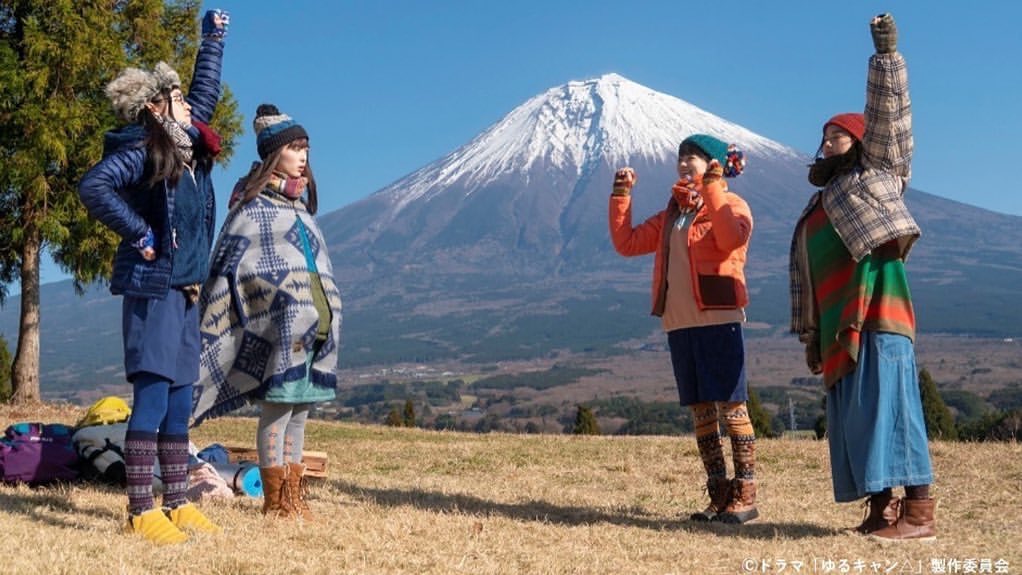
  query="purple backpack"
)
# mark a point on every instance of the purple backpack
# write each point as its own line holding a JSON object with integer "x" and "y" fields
{"x": 38, "y": 453}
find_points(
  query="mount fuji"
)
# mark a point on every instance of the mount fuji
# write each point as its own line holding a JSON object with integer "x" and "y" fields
{"x": 500, "y": 249}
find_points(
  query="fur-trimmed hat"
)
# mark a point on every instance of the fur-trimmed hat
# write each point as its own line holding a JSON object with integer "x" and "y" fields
{"x": 854, "y": 124}
{"x": 133, "y": 88}
{"x": 274, "y": 129}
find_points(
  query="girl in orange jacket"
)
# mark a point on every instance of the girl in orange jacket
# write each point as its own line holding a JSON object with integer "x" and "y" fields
{"x": 700, "y": 241}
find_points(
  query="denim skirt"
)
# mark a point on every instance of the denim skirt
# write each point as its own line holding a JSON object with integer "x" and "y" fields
{"x": 875, "y": 424}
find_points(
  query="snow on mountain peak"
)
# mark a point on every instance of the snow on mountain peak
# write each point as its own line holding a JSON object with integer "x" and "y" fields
{"x": 571, "y": 127}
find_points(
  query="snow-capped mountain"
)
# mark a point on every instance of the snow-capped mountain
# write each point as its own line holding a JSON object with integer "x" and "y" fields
{"x": 574, "y": 129}
{"x": 528, "y": 195}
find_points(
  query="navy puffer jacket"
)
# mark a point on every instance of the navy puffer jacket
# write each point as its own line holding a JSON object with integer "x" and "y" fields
{"x": 115, "y": 192}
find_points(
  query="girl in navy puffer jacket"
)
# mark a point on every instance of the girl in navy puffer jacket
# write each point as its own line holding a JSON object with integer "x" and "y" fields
{"x": 153, "y": 188}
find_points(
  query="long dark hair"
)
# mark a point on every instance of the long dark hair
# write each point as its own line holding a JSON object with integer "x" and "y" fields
{"x": 256, "y": 179}
{"x": 163, "y": 162}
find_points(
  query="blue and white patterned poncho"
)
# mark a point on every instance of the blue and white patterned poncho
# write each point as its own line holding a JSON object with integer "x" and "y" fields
{"x": 259, "y": 323}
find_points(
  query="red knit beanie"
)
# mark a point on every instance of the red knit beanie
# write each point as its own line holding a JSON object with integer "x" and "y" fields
{"x": 854, "y": 124}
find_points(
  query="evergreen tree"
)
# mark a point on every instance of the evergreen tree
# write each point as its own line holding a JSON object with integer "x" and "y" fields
{"x": 761, "y": 420}
{"x": 585, "y": 422}
{"x": 5, "y": 371}
{"x": 940, "y": 424}
{"x": 56, "y": 56}
{"x": 408, "y": 416}
{"x": 394, "y": 418}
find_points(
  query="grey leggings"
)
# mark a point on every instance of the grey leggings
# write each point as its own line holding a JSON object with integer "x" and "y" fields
{"x": 281, "y": 434}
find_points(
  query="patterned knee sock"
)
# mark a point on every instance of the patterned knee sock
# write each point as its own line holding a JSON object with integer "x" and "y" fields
{"x": 173, "y": 454}
{"x": 708, "y": 439}
{"x": 743, "y": 439}
{"x": 139, "y": 457}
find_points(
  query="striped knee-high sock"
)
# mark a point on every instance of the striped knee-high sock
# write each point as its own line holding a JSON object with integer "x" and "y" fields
{"x": 173, "y": 454}
{"x": 139, "y": 458}
{"x": 709, "y": 440}
{"x": 743, "y": 439}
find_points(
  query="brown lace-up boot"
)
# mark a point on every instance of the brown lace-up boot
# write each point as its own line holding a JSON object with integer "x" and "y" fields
{"x": 277, "y": 498}
{"x": 915, "y": 521}
{"x": 881, "y": 510}
{"x": 719, "y": 490}
{"x": 299, "y": 488}
{"x": 742, "y": 507}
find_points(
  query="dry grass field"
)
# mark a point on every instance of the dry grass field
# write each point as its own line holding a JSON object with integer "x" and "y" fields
{"x": 414, "y": 501}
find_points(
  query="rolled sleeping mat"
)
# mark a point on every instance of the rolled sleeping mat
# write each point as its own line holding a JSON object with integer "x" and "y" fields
{"x": 242, "y": 477}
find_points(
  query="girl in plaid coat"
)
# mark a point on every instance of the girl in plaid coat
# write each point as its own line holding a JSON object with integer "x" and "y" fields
{"x": 851, "y": 305}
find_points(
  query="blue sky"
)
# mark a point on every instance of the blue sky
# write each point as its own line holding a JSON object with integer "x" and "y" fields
{"x": 387, "y": 86}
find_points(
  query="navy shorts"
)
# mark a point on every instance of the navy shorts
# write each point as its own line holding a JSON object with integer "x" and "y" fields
{"x": 709, "y": 363}
{"x": 161, "y": 336}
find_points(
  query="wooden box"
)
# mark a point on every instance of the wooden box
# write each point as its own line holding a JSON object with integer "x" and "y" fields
{"x": 315, "y": 461}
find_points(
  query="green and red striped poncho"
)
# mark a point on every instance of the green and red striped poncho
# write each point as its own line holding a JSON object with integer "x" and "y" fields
{"x": 871, "y": 295}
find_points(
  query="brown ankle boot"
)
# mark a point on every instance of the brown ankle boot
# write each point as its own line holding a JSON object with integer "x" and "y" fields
{"x": 881, "y": 511}
{"x": 719, "y": 490}
{"x": 299, "y": 488}
{"x": 277, "y": 492}
{"x": 915, "y": 521}
{"x": 742, "y": 507}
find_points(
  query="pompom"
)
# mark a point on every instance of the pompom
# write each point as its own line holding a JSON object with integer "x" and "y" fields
{"x": 735, "y": 162}
{"x": 267, "y": 110}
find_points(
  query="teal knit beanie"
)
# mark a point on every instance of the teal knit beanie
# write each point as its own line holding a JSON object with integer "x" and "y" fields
{"x": 710, "y": 146}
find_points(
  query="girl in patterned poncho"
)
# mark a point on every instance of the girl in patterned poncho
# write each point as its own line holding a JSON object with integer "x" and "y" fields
{"x": 271, "y": 311}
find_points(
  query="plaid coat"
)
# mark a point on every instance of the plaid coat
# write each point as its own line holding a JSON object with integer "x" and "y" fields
{"x": 866, "y": 206}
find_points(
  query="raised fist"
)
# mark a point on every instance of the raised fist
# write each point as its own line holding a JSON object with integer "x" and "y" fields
{"x": 624, "y": 179}
{"x": 885, "y": 33}
{"x": 214, "y": 24}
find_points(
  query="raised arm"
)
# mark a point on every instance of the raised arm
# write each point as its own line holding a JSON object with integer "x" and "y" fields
{"x": 629, "y": 241}
{"x": 887, "y": 144}
{"x": 731, "y": 217}
{"x": 204, "y": 91}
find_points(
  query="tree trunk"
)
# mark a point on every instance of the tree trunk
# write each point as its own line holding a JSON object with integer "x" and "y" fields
{"x": 25, "y": 370}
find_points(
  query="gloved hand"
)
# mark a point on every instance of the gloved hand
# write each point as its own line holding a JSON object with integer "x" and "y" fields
{"x": 814, "y": 361}
{"x": 624, "y": 179}
{"x": 214, "y": 24}
{"x": 146, "y": 245}
{"x": 885, "y": 33}
{"x": 714, "y": 172}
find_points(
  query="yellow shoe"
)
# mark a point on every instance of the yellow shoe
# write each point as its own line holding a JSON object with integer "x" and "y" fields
{"x": 154, "y": 526}
{"x": 188, "y": 516}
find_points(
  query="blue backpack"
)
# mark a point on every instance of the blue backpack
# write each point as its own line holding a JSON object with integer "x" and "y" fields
{"x": 38, "y": 453}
